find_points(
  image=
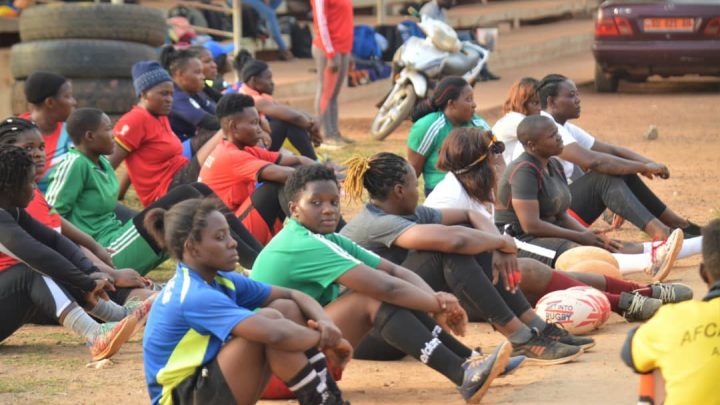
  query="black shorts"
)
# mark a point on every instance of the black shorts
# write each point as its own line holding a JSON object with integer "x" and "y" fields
{"x": 206, "y": 386}
{"x": 187, "y": 174}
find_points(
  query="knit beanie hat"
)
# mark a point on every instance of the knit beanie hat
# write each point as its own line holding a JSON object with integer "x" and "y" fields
{"x": 147, "y": 74}
{"x": 41, "y": 85}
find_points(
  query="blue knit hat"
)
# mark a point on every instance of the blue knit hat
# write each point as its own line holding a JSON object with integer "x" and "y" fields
{"x": 147, "y": 74}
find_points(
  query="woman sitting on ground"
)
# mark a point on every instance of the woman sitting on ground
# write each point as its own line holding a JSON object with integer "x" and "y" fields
{"x": 210, "y": 71}
{"x": 522, "y": 100}
{"x": 24, "y": 134}
{"x": 52, "y": 279}
{"x": 471, "y": 157}
{"x": 248, "y": 179}
{"x": 193, "y": 113}
{"x": 534, "y": 198}
{"x": 308, "y": 255}
{"x": 286, "y": 123}
{"x": 603, "y": 175}
{"x": 84, "y": 191}
{"x": 215, "y": 335}
{"x": 452, "y": 105}
{"x": 51, "y": 101}
{"x": 477, "y": 266}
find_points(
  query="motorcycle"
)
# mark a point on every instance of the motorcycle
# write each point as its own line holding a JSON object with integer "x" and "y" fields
{"x": 418, "y": 64}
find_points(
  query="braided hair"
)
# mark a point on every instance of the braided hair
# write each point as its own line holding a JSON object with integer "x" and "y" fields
{"x": 448, "y": 89}
{"x": 174, "y": 60}
{"x": 15, "y": 165}
{"x": 12, "y": 127}
{"x": 378, "y": 174}
{"x": 549, "y": 87}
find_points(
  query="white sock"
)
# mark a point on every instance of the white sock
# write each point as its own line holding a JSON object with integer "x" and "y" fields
{"x": 690, "y": 247}
{"x": 81, "y": 323}
{"x": 108, "y": 311}
{"x": 633, "y": 263}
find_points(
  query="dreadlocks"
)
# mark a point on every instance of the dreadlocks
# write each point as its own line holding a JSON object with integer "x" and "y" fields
{"x": 378, "y": 174}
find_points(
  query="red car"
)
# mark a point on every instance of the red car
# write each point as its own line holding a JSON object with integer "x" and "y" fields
{"x": 635, "y": 39}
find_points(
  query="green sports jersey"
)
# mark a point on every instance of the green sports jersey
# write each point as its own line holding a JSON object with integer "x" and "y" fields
{"x": 86, "y": 194}
{"x": 426, "y": 137}
{"x": 300, "y": 259}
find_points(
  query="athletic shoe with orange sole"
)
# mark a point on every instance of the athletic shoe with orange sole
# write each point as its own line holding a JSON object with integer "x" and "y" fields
{"x": 110, "y": 337}
{"x": 558, "y": 334}
{"x": 481, "y": 370}
{"x": 140, "y": 309}
{"x": 664, "y": 255}
{"x": 543, "y": 351}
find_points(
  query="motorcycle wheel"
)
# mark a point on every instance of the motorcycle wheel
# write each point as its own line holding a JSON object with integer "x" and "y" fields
{"x": 397, "y": 106}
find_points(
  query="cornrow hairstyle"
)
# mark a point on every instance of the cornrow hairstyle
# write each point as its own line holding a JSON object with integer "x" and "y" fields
{"x": 82, "y": 121}
{"x": 182, "y": 222}
{"x": 448, "y": 89}
{"x": 549, "y": 87}
{"x": 459, "y": 154}
{"x": 304, "y": 175}
{"x": 15, "y": 169}
{"x": 377, "y": 174}
{"x": 233, "y": 103}
{"x": 520, "y": 93}
{"x": 174, "y": 60}
{"x": 12, "y": 127}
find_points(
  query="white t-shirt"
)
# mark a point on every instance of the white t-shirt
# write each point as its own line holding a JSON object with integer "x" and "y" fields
{"x": 449, "y": 193}
{"x": 505, "y": 129}
{"x": 571, "y": 134}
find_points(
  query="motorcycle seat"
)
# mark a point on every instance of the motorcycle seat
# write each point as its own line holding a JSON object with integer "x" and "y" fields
{"x": 459, "y": 63}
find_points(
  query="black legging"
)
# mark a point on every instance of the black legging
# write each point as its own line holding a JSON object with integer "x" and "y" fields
{"x": 281, "y": 130}
{"x": 25, "y": 296}
{"x": 470, "y": 279}
{"x": 626, "y": 196}
{"x": 247, "y": 246}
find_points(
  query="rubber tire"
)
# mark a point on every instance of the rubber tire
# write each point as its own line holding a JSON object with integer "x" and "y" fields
{"x": 605, "y": 83}
{"x": 381, "y": 135}
{"x": 78, "y": 58}
{"x": 113, "y": 96}
{"x": 120, "y": 22}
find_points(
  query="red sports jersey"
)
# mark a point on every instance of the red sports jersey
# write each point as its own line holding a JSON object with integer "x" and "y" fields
{"x": 154, "y": 152}
{"x": 333, "y": 20}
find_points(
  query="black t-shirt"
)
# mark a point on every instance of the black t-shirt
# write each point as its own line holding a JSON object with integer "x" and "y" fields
{"x": 525, "y": 179}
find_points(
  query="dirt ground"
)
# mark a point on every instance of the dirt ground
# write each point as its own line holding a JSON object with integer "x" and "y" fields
{"x": 47, "y": 364}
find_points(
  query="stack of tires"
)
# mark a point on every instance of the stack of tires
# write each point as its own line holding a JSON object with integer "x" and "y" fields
{"x": 92, "y": 45}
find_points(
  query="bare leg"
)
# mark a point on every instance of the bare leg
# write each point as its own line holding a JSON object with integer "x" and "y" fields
{"x": 354, "y": 314}
{"x": 656, "y": 230}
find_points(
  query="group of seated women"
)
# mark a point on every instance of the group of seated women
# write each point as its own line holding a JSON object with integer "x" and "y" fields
{"x": 399, "y": 279}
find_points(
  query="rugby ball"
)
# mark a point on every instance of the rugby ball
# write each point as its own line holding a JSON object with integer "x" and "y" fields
{"x": 597, "y": 267}
{"x": 582, "y": 253}
{"x": 598, "y": 296}
{"x": 578, "y": 312}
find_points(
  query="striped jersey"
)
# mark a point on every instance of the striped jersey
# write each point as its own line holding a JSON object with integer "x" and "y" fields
{"x": 427, "y": 135}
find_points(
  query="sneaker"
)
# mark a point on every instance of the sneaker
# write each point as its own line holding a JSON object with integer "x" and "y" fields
{"x": 664, "y": 255}
{"x": 140, "y": 310}
{"x": 480, "y": 371}
{"x": 333, "y": 143}
{"x": 692, "y": 230}
{"x": 513, "y": 364}
{"x": 559, "y": 334}
{"x": 671, "y": 293}
{"x": 637, "y": 307}
{"x": 541, "y": 350}
{"x": 110, "y": 337}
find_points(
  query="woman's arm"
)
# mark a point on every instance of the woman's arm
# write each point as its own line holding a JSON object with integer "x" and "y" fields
{"x": 386, "y": 288}
{"x": 417, "y": 161}
{"x": 454, "y": 239}
{"x": 118, "y": 156}
{"x": 82, "y": 239}
{"x": 278, "y": 333}
{"x": 528, "y": 213}
{"x": 404, "y": 274}
{"x": 284, "y": 113}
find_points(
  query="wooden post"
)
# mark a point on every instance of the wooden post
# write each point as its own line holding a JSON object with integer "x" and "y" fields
{"x": 237, "y": 24}
{"x": 380, "y": 10}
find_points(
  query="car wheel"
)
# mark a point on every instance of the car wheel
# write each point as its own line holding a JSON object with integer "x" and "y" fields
{"x": 113, "y": 96}
{"x": 605, "y": 83}
{"x": 94, "y": 21}
{"x": 78, "y": 58}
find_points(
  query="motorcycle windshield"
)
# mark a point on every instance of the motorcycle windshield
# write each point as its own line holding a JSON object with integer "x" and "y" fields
{"x": 421, "y": 55}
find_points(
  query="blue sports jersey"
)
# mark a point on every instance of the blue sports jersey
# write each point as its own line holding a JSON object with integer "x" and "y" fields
{"x": 190, "y": 321}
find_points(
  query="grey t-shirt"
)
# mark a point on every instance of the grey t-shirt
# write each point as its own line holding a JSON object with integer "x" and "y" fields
{"x": 376, "y": 230}
{"x": 524, "y": 179}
